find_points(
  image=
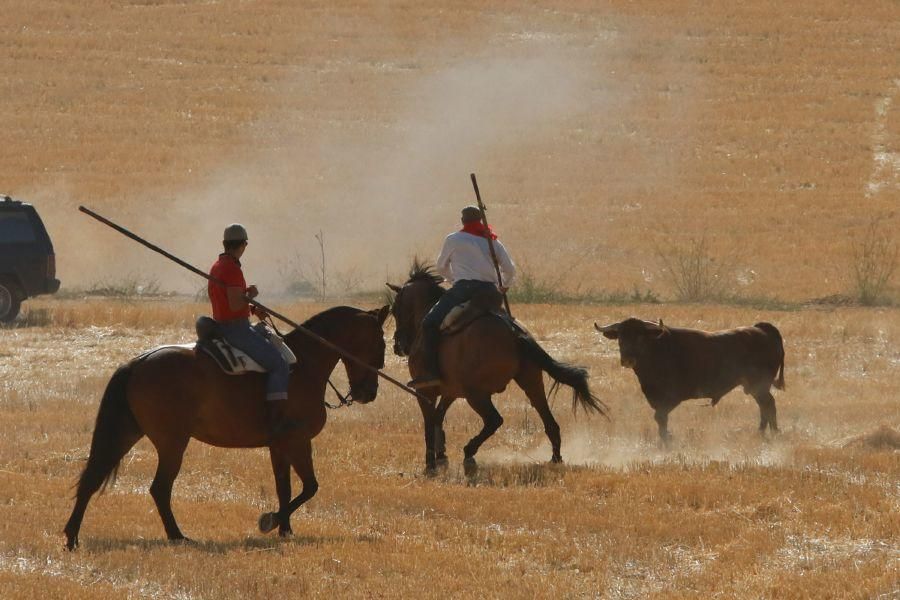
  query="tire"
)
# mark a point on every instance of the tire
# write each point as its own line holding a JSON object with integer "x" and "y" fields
{"x": 10, "y": 302}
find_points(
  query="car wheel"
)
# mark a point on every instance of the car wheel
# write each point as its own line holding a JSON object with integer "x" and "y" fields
{"x": 10, "y": 303}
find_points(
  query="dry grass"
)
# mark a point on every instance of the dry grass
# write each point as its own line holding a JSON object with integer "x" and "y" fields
{"x": 806, "y": 515}
{"x": 769, "y": 129}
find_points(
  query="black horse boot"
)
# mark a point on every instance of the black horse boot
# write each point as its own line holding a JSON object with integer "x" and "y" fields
{"x": 277, "y": 423}
{"x": 432, "y": 375}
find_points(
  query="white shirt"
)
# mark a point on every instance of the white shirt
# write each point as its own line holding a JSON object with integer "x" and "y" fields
{"x": 467, "y": 256}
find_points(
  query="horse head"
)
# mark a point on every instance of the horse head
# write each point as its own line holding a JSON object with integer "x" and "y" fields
{"x": 357, "y": 332}
{"x": 366, "y": 342}
{"x": 411, "y": 303}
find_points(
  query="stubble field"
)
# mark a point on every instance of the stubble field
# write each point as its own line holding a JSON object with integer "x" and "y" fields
{"x": 601, "y": 135}
{"x": 811, "y": 513}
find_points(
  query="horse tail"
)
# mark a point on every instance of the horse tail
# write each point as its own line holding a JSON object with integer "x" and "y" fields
{"x": 563, "y": 373}
{"x": 773, "y": 332}
{"x": 115, "y": 432}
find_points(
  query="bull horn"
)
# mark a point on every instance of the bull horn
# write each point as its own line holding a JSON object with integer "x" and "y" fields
{"x": 396, "y": 288}
{"x": 663, "y": 330}
{"x": 605, "y": 328}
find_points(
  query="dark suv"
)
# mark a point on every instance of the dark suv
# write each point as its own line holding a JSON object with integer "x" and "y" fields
{"x": 27, "y": 262}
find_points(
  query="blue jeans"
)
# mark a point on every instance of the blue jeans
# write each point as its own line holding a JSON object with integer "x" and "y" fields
{"x": 241, "y": 335}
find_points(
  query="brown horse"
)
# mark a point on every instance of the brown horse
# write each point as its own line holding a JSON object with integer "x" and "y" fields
{"x": 475, "y": 363}
{"x": 174, "y": 394}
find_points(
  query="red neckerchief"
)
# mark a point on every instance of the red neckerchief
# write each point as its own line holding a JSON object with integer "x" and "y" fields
{"x": 477, "y": 228}
{"x": 236, "y": 261}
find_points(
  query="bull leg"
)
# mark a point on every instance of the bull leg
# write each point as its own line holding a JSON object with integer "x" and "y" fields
{"x": 662, "y": 421}
{"x": 440, "y": 440}
{"x": 531, "y": 380}
{"x": 480, "y": 403}
{"x": 767, "y": 412}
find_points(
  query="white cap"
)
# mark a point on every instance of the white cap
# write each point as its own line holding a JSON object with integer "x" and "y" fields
{"x": 235, "y": 233}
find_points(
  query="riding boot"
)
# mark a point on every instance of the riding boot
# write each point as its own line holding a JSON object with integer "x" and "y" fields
{"x": 432, "y": 375}
{"x": 277, "y": 423}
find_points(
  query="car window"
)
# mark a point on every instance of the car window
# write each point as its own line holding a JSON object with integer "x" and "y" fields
{"x": 15, "y": 227}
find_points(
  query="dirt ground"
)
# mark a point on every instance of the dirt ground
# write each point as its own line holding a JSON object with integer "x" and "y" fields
{"x": 605, "y": 136}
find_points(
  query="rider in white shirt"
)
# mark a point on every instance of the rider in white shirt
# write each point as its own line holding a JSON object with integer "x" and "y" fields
{"x": 465, "y": 261}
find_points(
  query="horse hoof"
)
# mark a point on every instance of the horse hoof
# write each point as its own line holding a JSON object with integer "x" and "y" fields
{"x": 442, "y": 462}
{"x": 71, "y": 545}
{"x": 431, "y": 471}
{"x": 556, "y": 460}
{"x": 470, "y": 467}
{"x": 285, "y": 533}
{"x": 268, "y": 521}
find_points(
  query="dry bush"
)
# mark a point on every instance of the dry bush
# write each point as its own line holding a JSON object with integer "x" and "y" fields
{"x": 875, "y": 255}
{"x": 693, "y": 270}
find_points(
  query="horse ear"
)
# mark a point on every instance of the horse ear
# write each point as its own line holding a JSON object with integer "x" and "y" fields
{"x": 383, "y": 313}
{"x": 396, "y": 288}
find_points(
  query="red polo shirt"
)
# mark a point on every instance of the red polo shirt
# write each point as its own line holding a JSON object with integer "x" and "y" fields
{"x": 228, "y": 270}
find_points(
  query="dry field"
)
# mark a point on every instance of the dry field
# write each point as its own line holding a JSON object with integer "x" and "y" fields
{"x": 602, "y": 133}
{"x": 813, "y": 513}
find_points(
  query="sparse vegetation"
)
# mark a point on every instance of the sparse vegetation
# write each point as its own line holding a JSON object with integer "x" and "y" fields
{"x": 693, "y": 270}
{"x": 875, "y": 255}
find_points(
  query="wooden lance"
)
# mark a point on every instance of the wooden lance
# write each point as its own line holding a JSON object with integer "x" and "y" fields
{"x": 253, "y": 302}
{"x": 490, "y": 242}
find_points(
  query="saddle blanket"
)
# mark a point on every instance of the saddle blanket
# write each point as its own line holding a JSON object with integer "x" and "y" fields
{"x": 230, "y": 359}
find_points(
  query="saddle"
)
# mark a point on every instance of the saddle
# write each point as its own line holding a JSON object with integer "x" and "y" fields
{"x": 488, "y": 302}
{"x": 230, "y": 359}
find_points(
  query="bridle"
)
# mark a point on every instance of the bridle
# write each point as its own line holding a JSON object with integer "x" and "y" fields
{"x": 343, "y": 400}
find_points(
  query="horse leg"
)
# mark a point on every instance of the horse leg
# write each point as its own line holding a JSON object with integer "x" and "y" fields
{"x": 481, "y": 403}
{"x": 281, "y": 468}
{"x": 100, "y": 467}
{"x": 301, "y": 459}
{"x": 531, "y": 380}
{"x": 167, "y": 469}
{"x": 767, "y": 412}
{"x": 440, "y": 440}
{"x": 427, "y": 407}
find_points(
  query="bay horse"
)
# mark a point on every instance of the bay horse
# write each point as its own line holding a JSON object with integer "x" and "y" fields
{"x": 174, "y": 394}
{"x": 475, "y": 363}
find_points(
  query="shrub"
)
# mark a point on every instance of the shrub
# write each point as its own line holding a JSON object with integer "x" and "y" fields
{"x": 874, "y": 262}
{"x": 693, "y": 272}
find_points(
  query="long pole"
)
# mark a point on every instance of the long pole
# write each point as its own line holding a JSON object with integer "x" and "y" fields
{"x": 490, "y": 242}
{"x": 251, "y": 301}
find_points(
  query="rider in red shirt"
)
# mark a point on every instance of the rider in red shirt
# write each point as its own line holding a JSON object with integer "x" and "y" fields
{"x": 229, "y": 294}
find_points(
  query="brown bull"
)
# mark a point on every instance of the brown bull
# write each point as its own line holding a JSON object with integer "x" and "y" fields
{"x": 675, "y": 364}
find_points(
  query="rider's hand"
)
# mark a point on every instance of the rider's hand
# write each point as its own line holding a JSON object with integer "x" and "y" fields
{"x": 261, "y": 314}
{"x": 252, "y": 292}
{"x": 503, "y": 289}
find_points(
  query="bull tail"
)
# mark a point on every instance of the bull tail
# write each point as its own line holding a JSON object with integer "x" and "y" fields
{"x": 563, "y": 373}
{"x": 773, "y": 332}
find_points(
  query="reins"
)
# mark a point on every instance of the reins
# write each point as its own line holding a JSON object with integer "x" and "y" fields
{"x": 344, "y": 400}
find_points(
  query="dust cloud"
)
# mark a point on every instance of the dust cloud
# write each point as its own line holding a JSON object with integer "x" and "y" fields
{"x": 379, "y": 190}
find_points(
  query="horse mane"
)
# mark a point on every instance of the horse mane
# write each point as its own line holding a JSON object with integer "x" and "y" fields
{"x": 422, "y": 271}
{"x": 319, "y": 322}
